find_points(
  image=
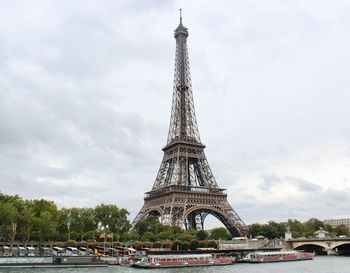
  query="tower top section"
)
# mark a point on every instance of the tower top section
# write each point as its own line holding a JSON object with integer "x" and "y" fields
{"x": 181, "y": 29}
{"x": 183, "y": 124}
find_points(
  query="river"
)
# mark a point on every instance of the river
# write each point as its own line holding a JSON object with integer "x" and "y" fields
{"x": 320, "y": 264}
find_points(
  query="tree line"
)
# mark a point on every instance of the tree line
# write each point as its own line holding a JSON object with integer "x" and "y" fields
{"x": 41, "y": 220}
{"x": 307, "y": 229}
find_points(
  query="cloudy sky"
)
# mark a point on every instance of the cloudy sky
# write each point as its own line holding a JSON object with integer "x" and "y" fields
{"x": 85, "y": 98}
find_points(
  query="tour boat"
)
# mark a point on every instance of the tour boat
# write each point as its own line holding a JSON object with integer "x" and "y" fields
{"x": 277, "y": 256}
{"x": 182, "y": 260}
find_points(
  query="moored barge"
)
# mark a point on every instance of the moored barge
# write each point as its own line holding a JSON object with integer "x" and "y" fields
{"x": 42, "y": 262}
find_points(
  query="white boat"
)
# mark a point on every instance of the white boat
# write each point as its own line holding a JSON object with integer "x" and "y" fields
{"x": 277, "y": 256}
{"x": 183, "y": 260}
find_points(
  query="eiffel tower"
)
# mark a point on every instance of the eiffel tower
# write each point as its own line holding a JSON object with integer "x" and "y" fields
{"x": 185, "y": 190}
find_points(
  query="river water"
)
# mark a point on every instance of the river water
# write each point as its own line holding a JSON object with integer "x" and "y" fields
{"x": 320, "y": 264}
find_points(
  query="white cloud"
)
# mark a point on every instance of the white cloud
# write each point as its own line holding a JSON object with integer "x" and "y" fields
{"x": 85, "y": 92}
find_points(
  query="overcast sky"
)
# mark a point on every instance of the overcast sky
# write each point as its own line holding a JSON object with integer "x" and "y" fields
{"x": 85, "y": 100}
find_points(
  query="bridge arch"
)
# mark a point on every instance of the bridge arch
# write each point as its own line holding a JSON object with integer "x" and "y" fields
{"x": 342, "y": 248}
{"x": 318, "y": 249}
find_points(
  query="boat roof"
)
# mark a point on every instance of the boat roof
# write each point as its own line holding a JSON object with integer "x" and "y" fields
{"x": 274, "y": 252}
{"x": 180, "y": 256}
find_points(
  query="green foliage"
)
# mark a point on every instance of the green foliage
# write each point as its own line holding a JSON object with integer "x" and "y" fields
{"x": 271, "y": 230}
{"x": 41, "y": 220}
{"x": 341, "y": 230}
{"x": 112, "y": 218}
{"x": 202, "y": 235}
{"x": 185, "y": 245}
{"x": 58, "y": 244}
{"x": 176, "y": 245}
{"x": 212, "y": 244}
{"x": 194, "y": 244}
{"x": 70, "y": 243}
{"x": 254, "y": 230}
{"x": 149, "y": 224}
{"x": 83, "y": 244}
{"x": 311, "y": 226}
{"x": 296, "y": 227}
{"x": 9, "y": 216}
{"x": 220, "y": 233}
{"x": 203, "y": 244}
{"x": 167, "y": 244}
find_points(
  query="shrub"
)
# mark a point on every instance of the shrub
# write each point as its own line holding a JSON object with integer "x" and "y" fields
{"x": 212, "y": 244}
{"x": 148, "y": 244}
{"x": 70, "y": 243}
{"x": 185, "y": 245}
{"x": 203, "y": 244}
{"x": 83, "y": 244}
{"x": 194, "y": 244}
{"x": 176, "y": 245}
{"x": 58, "y": 244}
{"x": 137, "y": 245}
{"x": 157, "y": 245}
{"x": 167, "y": 244}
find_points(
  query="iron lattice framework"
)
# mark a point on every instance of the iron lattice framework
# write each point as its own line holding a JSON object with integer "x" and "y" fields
{"x": 185, "y": 190}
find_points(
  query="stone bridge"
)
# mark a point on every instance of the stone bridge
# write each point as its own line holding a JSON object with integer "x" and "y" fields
{"x": 327, "y": 246}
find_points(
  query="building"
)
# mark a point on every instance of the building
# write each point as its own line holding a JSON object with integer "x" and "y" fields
{"x": 337, "y": 222}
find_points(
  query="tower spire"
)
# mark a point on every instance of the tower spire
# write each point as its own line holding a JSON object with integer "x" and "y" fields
{"x": 180, "y": 16}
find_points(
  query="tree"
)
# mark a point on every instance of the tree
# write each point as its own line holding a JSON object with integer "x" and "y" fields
{"x": 26, "y": 221}
{"x": 341, "y": 230}
{"x": 220, "y": 233}
{"x": 187, "y": 235}
{"x": 202, "y": 235}
{"x": 254, "y": 230}
{"x": 296, "y": 227}
{"x": 47, "y": 226}
{"x": 110, "y": 218}
{"x": 65, "y": 221}
{"x": 273, "y": 230}
{"x": 9, "y": 216}
{"x": 312, "y": 225}
{"x": 45, "y": 222}
{"x": 148, "y": 224}
{"x": 82, "y": 219}
{"x": 10, "y": 208}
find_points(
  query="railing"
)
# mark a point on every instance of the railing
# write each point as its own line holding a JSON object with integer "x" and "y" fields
{"x": 184, "y": 189}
